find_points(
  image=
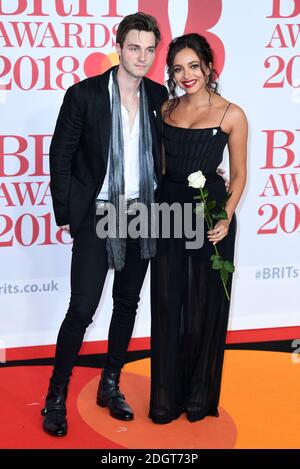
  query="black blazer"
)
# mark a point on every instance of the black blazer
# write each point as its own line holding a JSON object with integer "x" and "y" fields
{"x": 80, "y": 145}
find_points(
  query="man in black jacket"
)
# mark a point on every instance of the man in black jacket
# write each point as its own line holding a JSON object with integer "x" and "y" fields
{"x": 106, "y": 144}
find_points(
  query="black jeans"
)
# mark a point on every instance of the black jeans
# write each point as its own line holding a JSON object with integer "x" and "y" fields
{"x": 88, "y": 272}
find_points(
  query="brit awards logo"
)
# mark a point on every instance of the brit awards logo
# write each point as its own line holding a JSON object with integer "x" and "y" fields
{"x": 43, "y": 42}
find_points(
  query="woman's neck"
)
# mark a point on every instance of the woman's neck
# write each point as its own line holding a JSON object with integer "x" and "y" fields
{"x": 203, "y": 98}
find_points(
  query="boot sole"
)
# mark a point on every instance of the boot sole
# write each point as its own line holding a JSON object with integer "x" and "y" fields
{"x": 54, "y": 434}
{"x": 102, "y": 404}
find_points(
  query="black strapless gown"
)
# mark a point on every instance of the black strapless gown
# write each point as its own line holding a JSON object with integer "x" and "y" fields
{"x": 189, "y": 307}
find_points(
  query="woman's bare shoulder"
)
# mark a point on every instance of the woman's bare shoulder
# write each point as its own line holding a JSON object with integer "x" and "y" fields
{"x": 234, "y": 113}
{"x": 224, "y": 102}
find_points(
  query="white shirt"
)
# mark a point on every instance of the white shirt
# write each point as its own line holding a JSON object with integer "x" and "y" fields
{"x": 131, "y": 155}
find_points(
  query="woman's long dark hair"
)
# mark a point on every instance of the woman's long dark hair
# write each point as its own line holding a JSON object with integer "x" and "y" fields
{"x": 205, "y": 54}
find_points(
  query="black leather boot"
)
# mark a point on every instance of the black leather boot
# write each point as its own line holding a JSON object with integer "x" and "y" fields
{"x": 109, "y": 395}
{"x": 54, "y": 412}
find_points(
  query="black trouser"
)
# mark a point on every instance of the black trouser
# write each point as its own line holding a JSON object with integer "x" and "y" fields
{"x": 88, "y": 272}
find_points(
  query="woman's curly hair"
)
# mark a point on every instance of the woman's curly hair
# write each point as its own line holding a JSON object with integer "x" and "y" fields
{"x": 203, "y": 50}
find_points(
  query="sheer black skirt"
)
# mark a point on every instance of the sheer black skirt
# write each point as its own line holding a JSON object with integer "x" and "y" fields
{"x": 188, "y": 330}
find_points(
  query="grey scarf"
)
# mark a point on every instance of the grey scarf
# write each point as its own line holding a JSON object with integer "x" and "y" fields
{"x": 116, "y": 245}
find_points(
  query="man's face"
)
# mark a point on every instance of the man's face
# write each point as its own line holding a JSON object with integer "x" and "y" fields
{"x": 138, "y": 52}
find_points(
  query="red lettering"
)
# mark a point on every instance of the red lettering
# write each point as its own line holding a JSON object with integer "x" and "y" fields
{"x": 75, "y": 34}
{"x": 5, "y": 36}
{"x": 277, "y": 4}
{"x": 22, "y": 5}
{"x": 293, "y": 31}
{"x": 293, "y": 38}
{"x": 94, "y": 34}
{"x": 278, "y": 36}
{"x": 39, "y": 155}
{"x": 59, "y": 8}
{"x": 288, "y": 184}
{"x": 10, "y": 159}
{"x": 7, "y": 200}
{"x": 47, "y": 193}
{"x": 271, "y": 184}
{"x": 60, "y": 4}
{"x": 293, "y": 185}
{"x": 112, "y": 12}
{"x": 28, "y": 192}
{"x": 51, "y": 35}
{"x": 19, "y": 229}
{"x": 37, "y": 9}
{"x": 27, "y": 33}
{"x": 83, "y": 9}
{"x": 8, "y": 225}
{"x": 286, "y": 157}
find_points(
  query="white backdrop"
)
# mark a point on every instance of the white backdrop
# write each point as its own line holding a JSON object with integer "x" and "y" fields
{"x": 47, "y": 45}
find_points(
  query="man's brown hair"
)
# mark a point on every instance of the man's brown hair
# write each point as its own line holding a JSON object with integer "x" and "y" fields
{"x": 140, "y": 21}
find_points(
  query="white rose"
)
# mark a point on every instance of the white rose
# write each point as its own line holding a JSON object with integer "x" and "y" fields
{"x": 197, "y": 180}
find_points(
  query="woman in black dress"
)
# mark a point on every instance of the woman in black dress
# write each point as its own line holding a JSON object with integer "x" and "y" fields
{"x": 189, "y": 307}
